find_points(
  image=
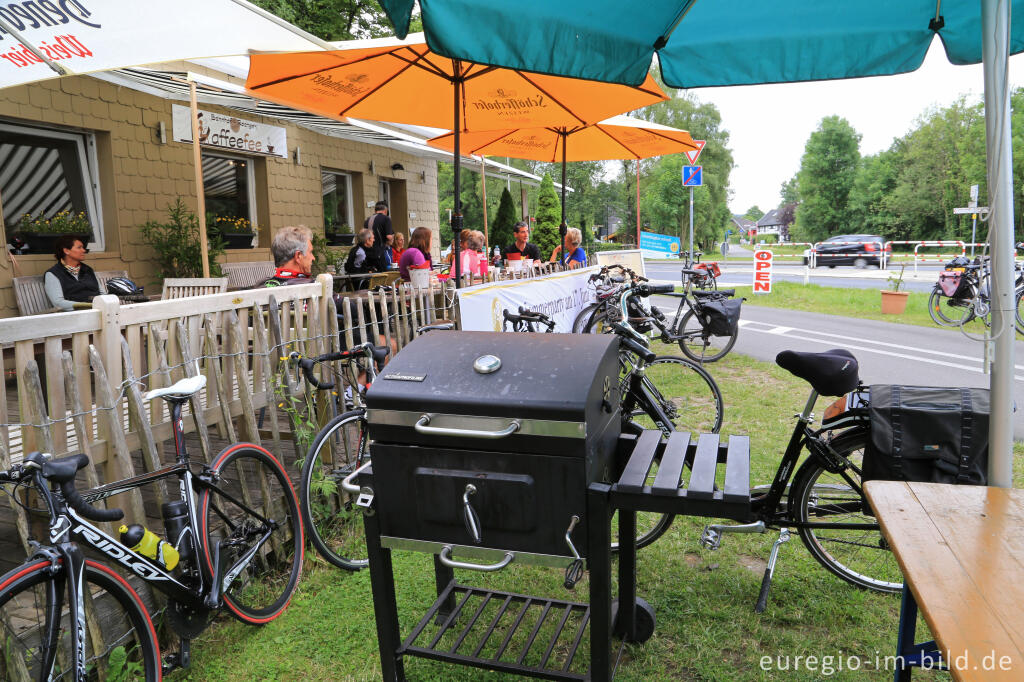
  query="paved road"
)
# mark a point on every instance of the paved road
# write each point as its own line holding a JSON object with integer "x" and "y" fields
{"x": 887, "y": 352}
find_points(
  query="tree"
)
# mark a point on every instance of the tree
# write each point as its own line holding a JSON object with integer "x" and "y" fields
{"x": 754, "y": 213}
{"x": 828, "y": 170}
{"x": 504, "y": 221}
{"x": 790, "y": 191}
{"x": 335, "y": 19}
{"x": 549, "y": 215}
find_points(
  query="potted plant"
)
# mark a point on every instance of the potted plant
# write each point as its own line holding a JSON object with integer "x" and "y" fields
{"x": 176, "y": 244}
{"x": 339, "y": 235}
{"x": 39, "y": 232}
{"x": 894, "y": 301}
{"x": 237, "y": 233}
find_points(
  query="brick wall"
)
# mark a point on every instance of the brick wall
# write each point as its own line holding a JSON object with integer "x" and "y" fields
{"x": 139, "y": 176}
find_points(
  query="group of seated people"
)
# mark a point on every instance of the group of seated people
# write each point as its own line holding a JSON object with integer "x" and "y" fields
{"x": 571, "y": 256}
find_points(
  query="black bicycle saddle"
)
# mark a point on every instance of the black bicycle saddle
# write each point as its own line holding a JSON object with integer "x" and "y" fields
{"x": 832, "y": 372}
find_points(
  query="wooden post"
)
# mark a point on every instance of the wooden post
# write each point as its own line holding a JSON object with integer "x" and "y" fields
{"x": 197, "y": 160}
{"x": 244, "y": 393}
{"x": 137, "y": 408}
{"x": 196, "y": 401}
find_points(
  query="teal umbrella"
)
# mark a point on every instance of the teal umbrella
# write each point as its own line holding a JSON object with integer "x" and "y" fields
{"x": 746, "y": 42}
{"x": 707, "y": 43}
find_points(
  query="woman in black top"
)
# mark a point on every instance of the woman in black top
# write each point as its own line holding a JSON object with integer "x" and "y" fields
{"x": 70, "y": 281}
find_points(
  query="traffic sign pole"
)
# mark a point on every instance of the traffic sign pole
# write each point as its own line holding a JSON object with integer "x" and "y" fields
{"x": 691, "y": 259}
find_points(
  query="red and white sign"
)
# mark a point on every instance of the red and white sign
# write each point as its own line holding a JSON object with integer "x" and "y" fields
{"x": 692, "y": 155}
{"x": 762, "y": 272}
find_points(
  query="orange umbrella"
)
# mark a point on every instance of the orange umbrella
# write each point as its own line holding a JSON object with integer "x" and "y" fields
{"x": 619, "y": 137}
{"x": 404, "y": 82}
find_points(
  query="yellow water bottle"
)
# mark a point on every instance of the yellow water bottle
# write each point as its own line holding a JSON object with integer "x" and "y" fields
{"x": 146, "y": 543}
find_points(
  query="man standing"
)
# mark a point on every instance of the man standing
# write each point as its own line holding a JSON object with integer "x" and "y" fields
{"x": 383, "y": 234}
{"x": 522, "y": 245}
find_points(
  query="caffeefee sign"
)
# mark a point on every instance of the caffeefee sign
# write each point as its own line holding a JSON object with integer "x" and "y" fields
{"x": 230, "y": 133}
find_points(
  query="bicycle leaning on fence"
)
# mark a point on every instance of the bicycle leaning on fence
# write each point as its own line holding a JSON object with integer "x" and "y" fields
{"x": 234, "y": 540}
{"x": 705, "y": 324}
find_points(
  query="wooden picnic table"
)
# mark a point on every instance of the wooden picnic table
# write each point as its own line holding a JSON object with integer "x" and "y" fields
{"x": 961, "y": 549}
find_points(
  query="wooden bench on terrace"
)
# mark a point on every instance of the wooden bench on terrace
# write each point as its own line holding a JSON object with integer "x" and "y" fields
{"x": 185, "y": 287}
{"x": 247, "y": 274}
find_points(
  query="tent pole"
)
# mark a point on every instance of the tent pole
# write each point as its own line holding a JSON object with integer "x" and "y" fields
{"x": 457, "y": 214}
{"x": 995, "y": 37}
{"x": 197, "y": 158}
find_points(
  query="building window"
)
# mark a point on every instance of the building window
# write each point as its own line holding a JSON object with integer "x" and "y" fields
{"x": 337, "y": 196}
{"x": 44, "y": 172}
{"x": 228, "y": 186}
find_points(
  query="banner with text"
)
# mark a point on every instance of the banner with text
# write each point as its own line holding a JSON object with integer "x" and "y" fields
{"x": 223, "y": 131}
{"x": 560, "y": 296}
{"x": 659, "y": 245}
{"x": 84, "y": 36}
{"x": 763, "y": 272}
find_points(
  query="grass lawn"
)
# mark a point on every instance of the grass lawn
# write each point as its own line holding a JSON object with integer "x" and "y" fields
{"x": 860, "y": 303}
{"x": 706, "y": 630}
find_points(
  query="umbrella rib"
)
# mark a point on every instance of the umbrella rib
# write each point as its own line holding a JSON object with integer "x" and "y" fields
{"x": 430, "y": 66}
{"x": 408, "y": 65}
{"x": 503, "y": 135}
{"x": 617, "y": 141}
{"x": 553, "y": 98}
{"x": 666, "y": 137}
{"x": 389, "y": 53}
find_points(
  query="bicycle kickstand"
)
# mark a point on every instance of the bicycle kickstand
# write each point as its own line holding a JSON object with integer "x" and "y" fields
{"x": 769, "y": 571}
{"x": 182, "y": 658}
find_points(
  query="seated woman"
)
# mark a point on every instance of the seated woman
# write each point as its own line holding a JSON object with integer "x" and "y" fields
{"x": 575, "y": 256}
{"x": 70, "y": 283}
{"x": 417, "y": 255}
{"x": 361, "y": 259}
{"x": 398, "y": 248}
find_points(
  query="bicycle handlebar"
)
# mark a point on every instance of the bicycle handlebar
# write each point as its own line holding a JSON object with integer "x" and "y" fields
{"x": 527, "y": 315}
{"x": 86, "y": 510}
{"x": 37, "y": 462}
{"x": 367, "y": 350}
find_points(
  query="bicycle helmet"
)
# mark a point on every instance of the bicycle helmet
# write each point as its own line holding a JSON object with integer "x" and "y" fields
{"x": 122, "y": 286}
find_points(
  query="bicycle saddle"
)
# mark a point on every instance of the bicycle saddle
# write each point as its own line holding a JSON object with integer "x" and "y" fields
{"x": 724, "y": 293}
{"x": 63, "y": 470}
{"x": 179, "y": 390}
{"x": 832, "y": 372}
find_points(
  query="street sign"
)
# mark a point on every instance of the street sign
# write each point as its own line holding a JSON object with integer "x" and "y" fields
{"x": 969, "y": 210}
{"x": 691, "y": 156}
{"x": 692, "y": 176}
{"x": 974, "y": 195}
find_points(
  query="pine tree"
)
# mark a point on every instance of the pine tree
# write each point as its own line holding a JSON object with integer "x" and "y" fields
{"x": 504, "y": 221}
{"x": 549, "y": 215}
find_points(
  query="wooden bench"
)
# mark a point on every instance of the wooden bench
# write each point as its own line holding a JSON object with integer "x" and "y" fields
{"x": 31, "y": 296}
{"x": 247, "y": 274}
{"x": 963, "y": 564}
{"x": 185, "y": 287}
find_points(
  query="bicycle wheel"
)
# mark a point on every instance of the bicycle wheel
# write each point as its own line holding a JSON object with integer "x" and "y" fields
{"x": 1019, "y": 317}
{"x": 252, "y": 514}
{"x": 120, "y": 640}
{"x": 947, "y": 311}
{"x": 685, "y": 393}
{"x": 583, "y": 319}
{"x": 860, "y": 556}
{"x": 328, "y": 513}
{"x": 699, "y": 345}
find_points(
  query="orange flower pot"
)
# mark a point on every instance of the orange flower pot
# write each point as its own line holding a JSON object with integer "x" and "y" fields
{"x": 894, "y": 302}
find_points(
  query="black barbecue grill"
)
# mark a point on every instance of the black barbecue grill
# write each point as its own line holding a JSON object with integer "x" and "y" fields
{"x": 489, "y": 449}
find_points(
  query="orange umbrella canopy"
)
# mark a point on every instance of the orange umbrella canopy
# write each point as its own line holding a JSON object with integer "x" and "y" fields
{"x": 619, "y": 137}
{"x": 404, "y": 82}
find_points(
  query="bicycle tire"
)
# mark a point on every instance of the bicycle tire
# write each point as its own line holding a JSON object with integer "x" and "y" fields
{"x": 860, "y": 557}
{"x": 119, "y": 634}
{"x": 581, "y": 324}
{"x": 335, "y": 530}
{"x": 697, "y": 408}
{"x": 263, "y": 589}
{"x": 1019, "y": 317}
{"x": 700, "y": 346}
{"x": 937, "y": 310}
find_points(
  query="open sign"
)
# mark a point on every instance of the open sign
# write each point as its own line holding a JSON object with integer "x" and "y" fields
{"x": 763, "y": 272}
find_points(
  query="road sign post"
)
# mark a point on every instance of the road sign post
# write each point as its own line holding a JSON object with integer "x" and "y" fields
{"x": 973, "y": 209}
{"x": 692, "y": 177}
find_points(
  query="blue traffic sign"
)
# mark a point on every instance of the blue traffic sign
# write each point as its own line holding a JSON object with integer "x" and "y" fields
{"x": 691, "y": 176}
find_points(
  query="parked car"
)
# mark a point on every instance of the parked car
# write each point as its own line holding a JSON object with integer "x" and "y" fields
{"x": 859, "y": 250}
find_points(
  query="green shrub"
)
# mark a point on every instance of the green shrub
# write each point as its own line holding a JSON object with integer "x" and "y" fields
{"x": 176, "y": 243}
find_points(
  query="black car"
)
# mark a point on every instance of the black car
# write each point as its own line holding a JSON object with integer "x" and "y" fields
{"x": 859, "y": 250}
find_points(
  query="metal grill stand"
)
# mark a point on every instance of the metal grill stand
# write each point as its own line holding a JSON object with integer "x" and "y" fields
{"x": 466, "y": 644}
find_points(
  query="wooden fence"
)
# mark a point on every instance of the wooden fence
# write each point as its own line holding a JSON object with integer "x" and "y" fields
{"x": 81, "y": 376}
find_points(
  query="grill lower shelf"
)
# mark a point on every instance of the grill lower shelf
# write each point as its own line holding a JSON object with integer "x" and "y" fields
{"x": 504, "y": 631}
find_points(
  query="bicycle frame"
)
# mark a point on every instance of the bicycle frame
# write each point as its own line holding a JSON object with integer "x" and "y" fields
{"x": 67, "y": 529}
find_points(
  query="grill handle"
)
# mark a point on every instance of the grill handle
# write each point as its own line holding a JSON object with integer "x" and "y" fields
{"x": 446, "y": 558}
{"x": 422, "y": 426}
{"x": 346, "y": 483}
{"x": 469, "y": 515}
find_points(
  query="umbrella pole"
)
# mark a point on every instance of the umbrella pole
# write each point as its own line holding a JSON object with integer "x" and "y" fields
{"x": 563, "y": 227}
{"x": 483, "y": 189}
{"x": 995, "y": 32}
{"x": 457, "y": 214}
{"x": 638, "y": 203}
{"x": 197, "y": 158}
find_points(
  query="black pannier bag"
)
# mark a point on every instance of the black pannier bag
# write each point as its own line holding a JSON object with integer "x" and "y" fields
{"x": 721, "y": 315}
{"x": 927, "y": 433}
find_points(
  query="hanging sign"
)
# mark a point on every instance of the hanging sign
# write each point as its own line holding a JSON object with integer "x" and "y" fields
{"x": 230, "y": 133}
{"x": 691, "y": 155}
{"x": 763, "y": 272}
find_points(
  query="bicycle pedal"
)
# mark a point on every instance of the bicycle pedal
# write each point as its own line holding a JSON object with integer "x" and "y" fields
{"x": 710, "y": 538}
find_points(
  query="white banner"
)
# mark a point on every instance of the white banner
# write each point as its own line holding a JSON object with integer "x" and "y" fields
{"x": 560, "y": 296}
{"x": 230, "y": 133}
{"x": 98, "y": 35}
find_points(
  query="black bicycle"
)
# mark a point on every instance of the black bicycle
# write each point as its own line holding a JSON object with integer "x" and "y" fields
{"x": 526, "y": 321}
{"x": 339, "y": 451}
{"x": 705, "y": 324}
{"x": 233, "y": 540}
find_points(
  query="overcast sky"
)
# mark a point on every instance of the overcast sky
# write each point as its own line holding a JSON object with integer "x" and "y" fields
{"x": 769, "y": 124}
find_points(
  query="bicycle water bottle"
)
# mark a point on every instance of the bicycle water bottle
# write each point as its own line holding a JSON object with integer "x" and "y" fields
{"x": 145, "y": 542}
